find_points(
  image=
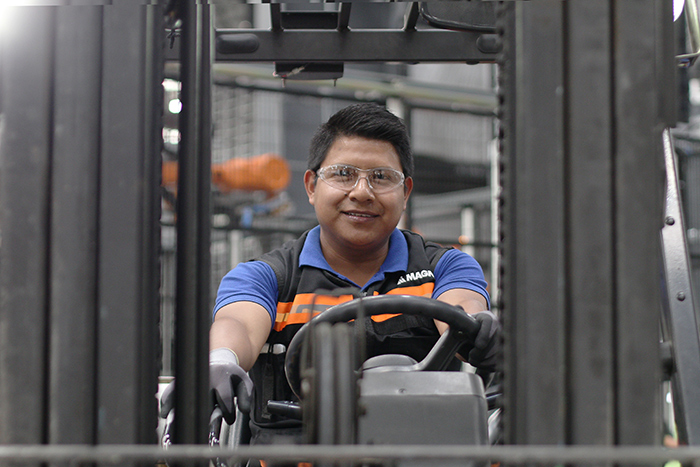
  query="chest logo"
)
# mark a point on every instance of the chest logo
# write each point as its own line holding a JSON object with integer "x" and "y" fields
{"x": 412, "y": 276}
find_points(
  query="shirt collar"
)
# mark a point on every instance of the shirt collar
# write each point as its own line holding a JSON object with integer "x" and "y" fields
{"x": 396, "y": 259}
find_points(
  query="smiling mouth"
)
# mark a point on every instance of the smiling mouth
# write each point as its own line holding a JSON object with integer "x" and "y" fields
{"x": 360, "y": 214}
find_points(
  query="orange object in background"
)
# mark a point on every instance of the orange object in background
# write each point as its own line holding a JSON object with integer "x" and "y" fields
{"x": 267, "y": 172}
{"x": 169, "y": 174}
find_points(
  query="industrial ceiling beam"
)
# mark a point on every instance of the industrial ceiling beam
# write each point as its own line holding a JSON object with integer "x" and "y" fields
{"x": 371, "y": 45}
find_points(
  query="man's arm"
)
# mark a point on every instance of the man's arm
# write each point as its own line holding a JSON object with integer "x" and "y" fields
{"x": 242, "y": 327}
{"x": 469, "y": 300}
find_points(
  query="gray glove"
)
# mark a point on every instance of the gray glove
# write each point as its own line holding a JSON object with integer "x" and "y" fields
{"x": 228, "y": 380}
{"x": 487, "y": 345}
{"x": 167, "y": 399}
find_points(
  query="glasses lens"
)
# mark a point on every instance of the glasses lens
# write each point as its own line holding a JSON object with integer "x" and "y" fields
{"x": 340, "y": 176}
{"x": 345, "y": 177}
{"x": 385, "y": 179}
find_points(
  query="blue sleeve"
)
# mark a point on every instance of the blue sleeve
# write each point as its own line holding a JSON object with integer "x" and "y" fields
{"x": 253, "y": 281}
{"x": 458, "y": 270}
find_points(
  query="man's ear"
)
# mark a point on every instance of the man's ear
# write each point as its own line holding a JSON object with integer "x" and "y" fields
{"x": 310, "y": 185}
{"x": 407, "y": 189}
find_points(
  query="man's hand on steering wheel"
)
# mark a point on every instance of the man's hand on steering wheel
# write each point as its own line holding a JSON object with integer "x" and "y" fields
{"x": 487, "y": 345}
{"x": 228, "y": 380}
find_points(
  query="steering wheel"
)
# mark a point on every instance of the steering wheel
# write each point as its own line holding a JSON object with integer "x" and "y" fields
{"x": 462, "y": 329}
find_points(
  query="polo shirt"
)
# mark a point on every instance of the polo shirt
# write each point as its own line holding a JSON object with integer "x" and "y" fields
{"x": 255, "y": 281}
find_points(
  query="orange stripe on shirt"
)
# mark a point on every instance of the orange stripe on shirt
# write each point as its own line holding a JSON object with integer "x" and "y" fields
{"x": 299, "y": 311}
{"x": 424, "y": 290}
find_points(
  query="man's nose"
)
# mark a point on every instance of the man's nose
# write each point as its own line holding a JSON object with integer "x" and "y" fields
{"x": 363, "y": 187}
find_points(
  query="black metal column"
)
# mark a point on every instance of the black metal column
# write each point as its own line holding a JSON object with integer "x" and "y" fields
{"x": 582, "y": 210}
{"x": 79, "y": 165}
{"x": 130, "y": 135}
{"x": 534, "y": 237}
{"x": 193, "y": 304}
{"x": 590, "y": 253}
{"x": 73, "y": 236}
{"x": 25, "y": 166}
{"x": 639, "y": 120}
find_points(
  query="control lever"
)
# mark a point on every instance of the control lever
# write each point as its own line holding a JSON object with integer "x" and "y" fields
{"x": 287, "y": 409}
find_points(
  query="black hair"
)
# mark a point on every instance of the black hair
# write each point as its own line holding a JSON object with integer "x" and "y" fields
{"x": 366, "y": 120}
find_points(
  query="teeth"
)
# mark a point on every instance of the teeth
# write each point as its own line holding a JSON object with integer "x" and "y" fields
{"x": 359, "y": 215}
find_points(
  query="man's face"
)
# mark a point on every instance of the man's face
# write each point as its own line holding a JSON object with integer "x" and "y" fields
{"x": 358, "y": 218}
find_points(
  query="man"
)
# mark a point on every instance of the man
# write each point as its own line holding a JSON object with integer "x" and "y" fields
{"x": 358, "y": 181}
